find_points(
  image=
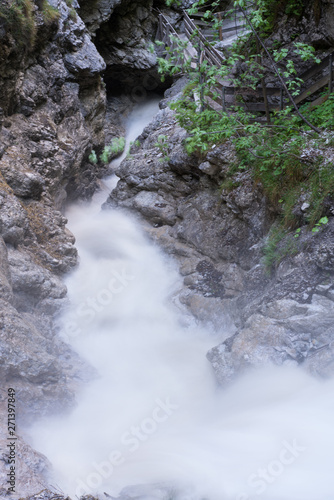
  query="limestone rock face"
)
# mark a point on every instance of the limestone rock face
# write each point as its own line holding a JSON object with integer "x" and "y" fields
{"x": 94, "y": 13}
{"x": 52, "y": 113}
{"x": 124, "y": 40}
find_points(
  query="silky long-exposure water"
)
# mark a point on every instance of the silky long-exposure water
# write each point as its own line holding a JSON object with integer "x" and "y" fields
{"x": 154, "y": 414}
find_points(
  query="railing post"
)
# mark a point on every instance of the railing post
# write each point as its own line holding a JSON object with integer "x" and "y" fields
{"x": 223, "y": 99}
{"x": 281, "y": 103}
{"x": 263, "y": 85}
{"x": 201, "y": 79}
{"x": 330, "y": 85}
{"x": 167, "y": 42}
{"x": 161, "y": 27}
{"x": 220, "y": 26}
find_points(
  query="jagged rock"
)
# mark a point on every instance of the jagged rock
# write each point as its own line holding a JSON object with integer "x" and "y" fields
{"x": 32, "y": 465}
{"x": 95, "y": 13}
{"x": 52, "y": 110}
{"x": 85, "y": 60}
{"x": 130, "y": 59}
{"x": 286, "y": 332}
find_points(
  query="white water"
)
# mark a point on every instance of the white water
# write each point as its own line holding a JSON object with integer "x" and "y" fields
{"x": 155, "y": 414}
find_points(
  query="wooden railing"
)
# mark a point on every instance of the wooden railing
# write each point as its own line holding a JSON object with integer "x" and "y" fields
{"x": 229, "y": 95}
{"x": 169, "y": 37}
{"x": 320, "y": 83}
{"x": 194, "y": 34}
{"x": 225, "y": 95}
{"x": 223, "y": 18}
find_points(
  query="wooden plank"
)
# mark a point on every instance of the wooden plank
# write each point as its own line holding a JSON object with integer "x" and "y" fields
{"x": 311, "y": 90}
{"x": 233, "y": 28}
{"x": 317, "y": 102}
{"x": 252, "y": 106}
{"x": 315, "y": 69}
{"x": 272, "y": 91}
{"x": 213, "y": 104}
{"x": 191, "y": 30}
{"x": 206, "y": 24}
{"x": 197, "y": 14}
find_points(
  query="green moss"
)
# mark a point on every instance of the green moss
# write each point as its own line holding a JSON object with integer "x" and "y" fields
{"x": 228, "y": 185}
{"x": 279, "y": 244}
{"x": 72, "y": 15}
{"x": 50, "y": 14}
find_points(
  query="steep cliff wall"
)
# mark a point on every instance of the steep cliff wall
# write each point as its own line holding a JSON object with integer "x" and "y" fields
{"x": 53, "y": 106}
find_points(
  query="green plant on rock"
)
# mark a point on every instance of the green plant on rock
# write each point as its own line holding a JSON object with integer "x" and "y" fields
{"x": 115, "y": 148}
{"x": 294, "y": 7}
{"x": 162, "y": 144}
{"x": 279, "y": 244}
{"x": 50, "y": 14}
{"x": 18, "y": 18}
{"x": 93, "y": 157}
{"x": 72, "y": 15}
{"x": 322, "y": 222}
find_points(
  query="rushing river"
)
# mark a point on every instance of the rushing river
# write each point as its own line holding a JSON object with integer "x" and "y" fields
{"x": 154, "y": 414}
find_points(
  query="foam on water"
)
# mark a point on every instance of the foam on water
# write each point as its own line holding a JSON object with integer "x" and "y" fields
{"x": 154, "y": 414}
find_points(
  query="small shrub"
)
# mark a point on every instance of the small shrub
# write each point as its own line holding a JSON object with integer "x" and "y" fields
{"x": 322, "y": 222}
{"x": 162, "y": 144}
{"x": 279, "y": 244}
{"x": 92, "y": 157}
{"x": 115, "y": 148}
{"x": 72, "y": 15}
{"x": 50, "y": 14}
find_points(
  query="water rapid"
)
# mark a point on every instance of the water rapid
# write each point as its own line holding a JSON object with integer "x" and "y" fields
{"x": 154, "y": 414}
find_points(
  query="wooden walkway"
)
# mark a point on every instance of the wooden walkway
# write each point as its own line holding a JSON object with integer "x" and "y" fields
{"x": 226, "y": 96}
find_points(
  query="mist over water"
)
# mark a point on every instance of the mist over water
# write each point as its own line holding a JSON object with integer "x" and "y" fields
{"x": 154, "y": 413}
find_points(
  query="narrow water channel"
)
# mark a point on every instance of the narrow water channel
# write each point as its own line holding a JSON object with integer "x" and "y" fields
{"x": 154, "y": 414}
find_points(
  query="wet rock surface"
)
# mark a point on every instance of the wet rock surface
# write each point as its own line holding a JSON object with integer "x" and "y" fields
{"x": 53, "y": 105}
{"x": 216, "y": 224}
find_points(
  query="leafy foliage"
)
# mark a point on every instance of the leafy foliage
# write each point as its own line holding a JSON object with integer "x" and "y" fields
{"x": 50, "y": 14}
{"x": 115, "y": 148}
{"x": 93, "y": 157}
{"x": 274, "y": 155}
{"x": 163, "y": 145}
{"x": 322, "y": 222}
{"x": 322, "y": 115}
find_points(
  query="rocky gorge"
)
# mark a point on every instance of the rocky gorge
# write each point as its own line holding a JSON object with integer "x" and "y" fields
{"x": 55, "y": 109}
